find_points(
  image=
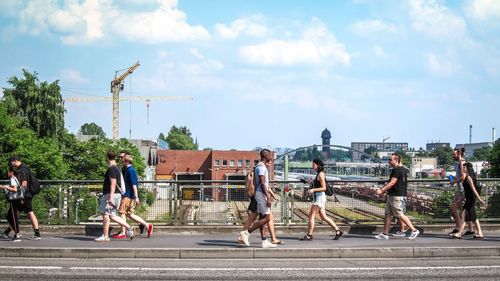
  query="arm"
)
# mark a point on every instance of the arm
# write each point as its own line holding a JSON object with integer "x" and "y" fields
{"x": 112, "y": 189}
{"x": 473, "y": 187}
{"x": 388, "y": 186}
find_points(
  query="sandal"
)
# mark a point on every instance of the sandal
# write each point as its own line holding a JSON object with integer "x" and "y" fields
{"x": 477, "y": 237}
{"x": 277, "y": 242}
{"x": 338, "y": 234}
{"x": 306, "y": 237}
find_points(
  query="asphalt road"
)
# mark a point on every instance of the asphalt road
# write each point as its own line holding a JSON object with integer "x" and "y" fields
{"x": 281, "y": 269}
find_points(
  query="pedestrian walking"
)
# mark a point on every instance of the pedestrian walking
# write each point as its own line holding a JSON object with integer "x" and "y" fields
{"x": 459, "y": 197}
{"x": 110, "y": 200}
{"x": 130, "y": 199}
{"x": 23, "y": 175}
{"x": 317, "y": 191}
{"x": 394, "y": 204}
{"x": 12, "y": 214}
{"x": 264, "y": 199}
{"x": 472, "y": 193}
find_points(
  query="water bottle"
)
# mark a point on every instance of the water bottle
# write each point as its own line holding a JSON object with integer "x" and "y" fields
{"x": 451, "y": 177}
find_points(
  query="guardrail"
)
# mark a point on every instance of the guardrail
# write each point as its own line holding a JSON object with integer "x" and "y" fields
{"x": 225, "y": 202}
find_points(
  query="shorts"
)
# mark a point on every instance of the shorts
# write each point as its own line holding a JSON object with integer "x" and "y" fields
{"x": 262, "y": 207}
{"x": 319, "y": 199}
{"x": 252, "y": 207}
{"x": 127, "y": 206}
{"x": 394, "y": 206}
{"x": 458, "y": 198}
{"x": 105, "y": 208}
{"x": 24, "y": 205}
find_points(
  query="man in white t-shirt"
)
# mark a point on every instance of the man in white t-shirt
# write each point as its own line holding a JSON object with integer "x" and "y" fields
{"x": 264, "y": 199}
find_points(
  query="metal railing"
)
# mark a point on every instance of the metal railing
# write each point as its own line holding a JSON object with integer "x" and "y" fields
{"x": 225, "y": 202}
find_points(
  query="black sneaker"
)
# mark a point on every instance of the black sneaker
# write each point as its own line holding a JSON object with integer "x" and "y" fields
{"x": 4, "y": 236}
{"x": 469, "y": 233}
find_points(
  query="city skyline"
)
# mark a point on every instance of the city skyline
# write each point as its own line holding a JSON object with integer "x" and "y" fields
{"x": 268, "y": 73}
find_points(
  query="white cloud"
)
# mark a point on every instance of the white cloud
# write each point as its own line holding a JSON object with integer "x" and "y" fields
{"x": 484, "y": 9}
{"x": 368, "y": 27}
{"x": 74, "y": 76}
{"x": 195, "y": 52}
{"x": 247, "y": 26}
{"x": 443, "y": 65}
{"x": 437, "y": 20}
{"x": 315, "y": 46}
{"x": 91, "y": 20}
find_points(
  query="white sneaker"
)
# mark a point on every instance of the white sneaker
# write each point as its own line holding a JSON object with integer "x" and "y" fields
{"x": 399, "y": 233}
{"x": 414, "y": 234}
{"x": 102, "y": 239}
{"x": 382, "y": 236}
{"x": 268, "y": 244}
{"x": 245, "y": 235}
{"x": 36, "y": 238}
{"x": 130, "y": 233}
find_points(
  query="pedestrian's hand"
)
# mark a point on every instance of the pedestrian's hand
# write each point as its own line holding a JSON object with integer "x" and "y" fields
{"x": 310, "y": 192}
{"x": 378, "y": 191}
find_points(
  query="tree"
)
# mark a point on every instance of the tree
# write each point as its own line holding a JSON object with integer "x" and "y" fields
{"x": 494, "y": 171}
{"x": 444, "y": 155}
{"x": 180, "y": 139}
{"x": 482, "y": 154}
{"x": 40, "y": 104}
{"x": 92, "y": 129}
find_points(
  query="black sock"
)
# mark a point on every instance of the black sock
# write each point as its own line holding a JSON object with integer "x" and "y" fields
{"x": 37, "y": 232}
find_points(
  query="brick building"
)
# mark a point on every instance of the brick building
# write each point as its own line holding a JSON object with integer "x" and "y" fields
{"x": 206, "y": 165}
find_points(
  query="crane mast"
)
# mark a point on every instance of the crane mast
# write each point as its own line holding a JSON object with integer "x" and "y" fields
{"x": 116, "y": 87}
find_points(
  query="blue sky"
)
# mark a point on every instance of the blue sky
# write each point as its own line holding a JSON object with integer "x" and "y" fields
{"x": 268, "y": 73}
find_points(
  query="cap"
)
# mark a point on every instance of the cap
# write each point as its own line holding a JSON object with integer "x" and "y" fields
{"x": 14, "y": 158}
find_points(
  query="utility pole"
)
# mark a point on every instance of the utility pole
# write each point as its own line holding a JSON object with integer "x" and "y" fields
{"x": 116, "y": 87}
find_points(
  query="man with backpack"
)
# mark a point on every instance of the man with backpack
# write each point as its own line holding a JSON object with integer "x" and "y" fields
{"x": 25, "y": 177}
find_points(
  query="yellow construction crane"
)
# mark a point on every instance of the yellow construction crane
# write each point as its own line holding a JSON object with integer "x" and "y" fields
{"x": 116, "y": 87}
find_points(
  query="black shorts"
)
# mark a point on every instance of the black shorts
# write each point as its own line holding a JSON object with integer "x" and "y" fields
{"x": 24, "y": 205}
{"x": 252, "y": 207}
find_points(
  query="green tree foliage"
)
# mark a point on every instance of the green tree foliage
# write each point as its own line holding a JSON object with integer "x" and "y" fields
{"x": 482, "y": 154}
{"x": 40, "y": 104}
{"x": 444, "y": 155}
{"x": 179, "y": 138}
{"x": 441, "y": 205}
{"x": 373, "y": 151}
{"x": 494, "y": 159}
{"x": 308, "y": 154}
{"x": 92, "y": 129}
{"x": 41, "y": 155}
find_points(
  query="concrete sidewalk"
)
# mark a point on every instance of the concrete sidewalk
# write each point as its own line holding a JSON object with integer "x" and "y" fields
{"x": 200, "y": 242}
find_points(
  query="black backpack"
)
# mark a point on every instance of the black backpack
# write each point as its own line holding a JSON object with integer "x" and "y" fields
{"x": 34, "y": 184}
{"x": 329, "y": 189}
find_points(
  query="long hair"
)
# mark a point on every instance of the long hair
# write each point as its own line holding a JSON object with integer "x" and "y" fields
{"x": 461, "y": 150}
{"x": 471, "y": 172}
{"x": 320, "y": 164}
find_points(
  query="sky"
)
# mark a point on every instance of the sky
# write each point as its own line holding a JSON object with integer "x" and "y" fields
{"x": 268, "y": 73}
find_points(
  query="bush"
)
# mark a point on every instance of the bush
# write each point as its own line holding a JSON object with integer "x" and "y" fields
{"x": 441, "y": 205}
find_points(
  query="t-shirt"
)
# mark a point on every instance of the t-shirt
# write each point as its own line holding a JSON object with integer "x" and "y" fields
{"x": 261, "y": 170}
{"x": 111, "y": 172}
{"x": 130, "y": 177}
{"x": 458, "y": 175}
{"x": 23, "y": 174}
{"x": 401, "y": 174}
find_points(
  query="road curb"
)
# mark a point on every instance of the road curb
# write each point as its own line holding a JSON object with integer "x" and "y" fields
{"x": 246, "y": 253}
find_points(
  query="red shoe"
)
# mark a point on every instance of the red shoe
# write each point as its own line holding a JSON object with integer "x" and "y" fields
{"x": 150, "y": 229}
{"x": 119, "y": 236}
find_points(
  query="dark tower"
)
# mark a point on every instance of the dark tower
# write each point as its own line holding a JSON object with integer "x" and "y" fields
{"x": 326, "y": 136}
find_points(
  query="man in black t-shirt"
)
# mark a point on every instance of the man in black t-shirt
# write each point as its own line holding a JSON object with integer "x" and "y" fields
{"x": 25, "y": 205}
{"x": 110, "y": 200}
{"x": 395, "y": 191}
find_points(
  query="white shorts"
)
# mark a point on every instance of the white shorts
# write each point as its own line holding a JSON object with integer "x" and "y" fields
{"x": 262, "y": 207}
{"x": 319, "y": 199}
{"x": 105, "y": 208}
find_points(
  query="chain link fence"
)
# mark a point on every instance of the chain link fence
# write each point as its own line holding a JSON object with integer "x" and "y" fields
{"x": 225, "y": 202}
